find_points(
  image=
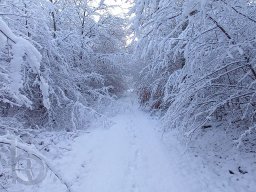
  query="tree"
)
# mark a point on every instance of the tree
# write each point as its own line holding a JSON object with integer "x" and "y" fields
{"x": 70, "y": 41}
{"x": 199, "y": 57}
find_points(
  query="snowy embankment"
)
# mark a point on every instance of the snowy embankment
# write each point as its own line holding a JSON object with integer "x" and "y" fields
{"x": 129, "y": 156}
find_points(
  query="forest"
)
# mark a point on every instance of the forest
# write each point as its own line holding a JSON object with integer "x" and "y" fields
{"x": 128, "y": 95}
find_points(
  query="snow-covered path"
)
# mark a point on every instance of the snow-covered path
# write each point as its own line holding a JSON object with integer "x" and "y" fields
{"x": 129, "y": 157}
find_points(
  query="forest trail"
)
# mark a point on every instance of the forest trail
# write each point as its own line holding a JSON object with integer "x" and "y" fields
{"x": 129, "y": 157}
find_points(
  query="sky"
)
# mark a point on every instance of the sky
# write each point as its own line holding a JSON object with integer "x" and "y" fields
{"x": 118, "y": 7}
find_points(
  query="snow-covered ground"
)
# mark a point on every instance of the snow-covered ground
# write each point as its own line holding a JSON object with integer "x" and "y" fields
{"x": 130, "y": 156}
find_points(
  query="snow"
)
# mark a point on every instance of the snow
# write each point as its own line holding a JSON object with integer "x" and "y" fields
{"x": 15, "y": 68}
{"x": 131, "y": 156}
{"x": 22, "y": 48}
{"x": 5, "y": 30}
{"x": 198, "y": 72}
{"x": 126, "y": 157}
{"x": 44, "y": 86}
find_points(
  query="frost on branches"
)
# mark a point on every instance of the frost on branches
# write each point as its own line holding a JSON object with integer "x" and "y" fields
{"x": 77, "y": 71}
{"x": 61, "y": 64}
{"x": 24, "y": 58}
{"x": 199, "y": 64}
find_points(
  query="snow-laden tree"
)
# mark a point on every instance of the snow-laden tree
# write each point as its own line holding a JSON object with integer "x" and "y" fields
{"x": 20, "y": 71}
{"x": 199, "y": 62}
{"x": 60, "y": 65}
{"x": 155, "y": 24}
{"x": 79, "y": 63}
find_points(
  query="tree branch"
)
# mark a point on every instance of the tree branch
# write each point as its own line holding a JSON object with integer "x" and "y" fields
{"x": 233, "y": 8}
{"x": 7, "y": 36}
{"x": 220, "y": 27}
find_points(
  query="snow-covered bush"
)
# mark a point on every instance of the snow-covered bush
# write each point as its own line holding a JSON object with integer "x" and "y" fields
{"x": 76, "y": 70}
{"x": 22, "y": 84}
{"x": 60, "y": 65}
{"x": 199, "y": 62}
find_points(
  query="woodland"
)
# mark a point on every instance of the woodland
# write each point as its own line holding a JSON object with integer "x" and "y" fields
{"x": 190, "y": 64}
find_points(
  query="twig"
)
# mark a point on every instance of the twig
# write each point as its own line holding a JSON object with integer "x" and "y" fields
{"x": 7, "y": 36}
{"x": 246, "y": 16}
{"x": 4, "y": 188}
{"x": 220, "y": 27}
